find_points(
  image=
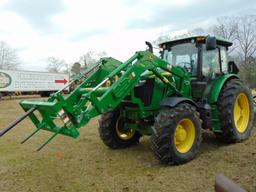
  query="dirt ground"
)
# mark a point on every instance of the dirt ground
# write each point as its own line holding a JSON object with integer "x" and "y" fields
{"x": 86, "y": 164}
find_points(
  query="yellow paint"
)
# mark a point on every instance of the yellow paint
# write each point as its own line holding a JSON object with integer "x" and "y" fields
{"x": 185, "y": 135}
{"x": 151, "y": 57}
{"x": 164, "y": 74}
{"x": 116, "y": 78}
{"x": 166, "y": 80}
{"x": 124, "y": 134}
{"x": 108, "y": 83}
{"x": 241, "y": 112}
{"x": 169, "y": 66}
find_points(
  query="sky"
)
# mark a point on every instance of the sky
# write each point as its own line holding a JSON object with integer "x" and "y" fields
{"x": 67, "y": 29}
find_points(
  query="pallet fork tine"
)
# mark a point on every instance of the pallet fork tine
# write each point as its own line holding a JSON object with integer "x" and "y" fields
{"x": 28, "y": 137}
{"x": 17, "y": 121}
{"x": 44, "y": 144}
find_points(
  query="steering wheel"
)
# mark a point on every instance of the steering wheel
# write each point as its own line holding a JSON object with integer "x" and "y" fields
{"x": 187, "y": 66}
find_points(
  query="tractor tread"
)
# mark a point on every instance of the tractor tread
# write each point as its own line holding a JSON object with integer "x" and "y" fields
{"x": 165, "y": 125}
{"x": 108, "y": 133}
{"x": 225, "y": 107}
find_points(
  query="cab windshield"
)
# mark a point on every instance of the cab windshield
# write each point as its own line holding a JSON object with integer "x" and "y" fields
{"x": 183, "y": 55}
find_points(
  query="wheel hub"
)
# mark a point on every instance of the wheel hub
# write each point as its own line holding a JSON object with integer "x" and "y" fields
{"x": 185, "y": 135}
{"x": 181, "y": 134}
{"x": 122, "y": 133}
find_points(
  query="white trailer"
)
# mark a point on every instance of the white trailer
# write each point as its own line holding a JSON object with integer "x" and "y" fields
{"x": 43, "y": 83}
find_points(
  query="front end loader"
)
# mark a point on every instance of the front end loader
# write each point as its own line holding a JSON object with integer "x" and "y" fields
{"x": 190, "y": 87}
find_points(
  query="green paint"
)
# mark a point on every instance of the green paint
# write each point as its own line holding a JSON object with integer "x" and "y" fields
{"x": 123, "y": 85}
{"x": 217, "y": 86}
{"x": 86, "y": 101}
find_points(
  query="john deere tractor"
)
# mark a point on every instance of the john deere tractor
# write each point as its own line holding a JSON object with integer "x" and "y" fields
{"x": 190, "y": 87}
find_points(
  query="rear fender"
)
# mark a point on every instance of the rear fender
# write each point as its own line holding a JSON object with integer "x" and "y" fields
{"x": 218, "y": 85}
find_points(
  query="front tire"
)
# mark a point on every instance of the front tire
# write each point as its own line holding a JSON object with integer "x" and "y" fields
{"x": 177, "y": 135}
{"x": 112, "y": 132}
{"x": 235, "y": 107}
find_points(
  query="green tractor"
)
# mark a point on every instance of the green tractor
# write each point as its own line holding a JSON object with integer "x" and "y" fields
{"x": 190, "y": 87}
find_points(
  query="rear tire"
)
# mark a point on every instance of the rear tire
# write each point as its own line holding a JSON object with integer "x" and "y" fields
{"x": 177, "y": 135}
{"x": 112, "y": 134}
{"x": 235, "y": 106}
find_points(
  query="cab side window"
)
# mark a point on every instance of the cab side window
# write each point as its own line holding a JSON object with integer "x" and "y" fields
{"x": 211, "y": 65}
{"x": 224, "y": 59}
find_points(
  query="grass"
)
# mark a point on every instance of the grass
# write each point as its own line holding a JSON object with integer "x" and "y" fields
{"x": 86, "y": 164}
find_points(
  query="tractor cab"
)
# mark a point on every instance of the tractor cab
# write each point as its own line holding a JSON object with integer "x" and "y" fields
{"x": 203, "y": 57}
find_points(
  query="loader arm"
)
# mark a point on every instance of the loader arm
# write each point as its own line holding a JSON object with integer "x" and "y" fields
{"x": 104, "y": 89}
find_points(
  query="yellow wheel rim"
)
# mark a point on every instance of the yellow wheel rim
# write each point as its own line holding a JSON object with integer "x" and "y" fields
{"x": 185, "y": 134}
{"x": 241, "y": 112}
{"x": 121, "y": 133}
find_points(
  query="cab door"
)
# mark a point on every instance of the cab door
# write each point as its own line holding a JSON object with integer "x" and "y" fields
{"x": 209, "y": 69}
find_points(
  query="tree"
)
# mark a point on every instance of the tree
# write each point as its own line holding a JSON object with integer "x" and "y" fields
{"x": 197, "y": 31}
{"x": 241, "y": 30}
{"x": 226, "y": 28}
{"x": 91, "y": 58}
{"x": 248, "y": 71}
{"x": 55, "y": 65}
{"x": 76, "y": 68}
{"x": 8, "y": 57}
{"x": 246, "y": 37}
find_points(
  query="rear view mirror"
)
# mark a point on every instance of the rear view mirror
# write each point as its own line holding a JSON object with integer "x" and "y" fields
{"x": 211, "y": 43}
{"x": 232, "y": 67}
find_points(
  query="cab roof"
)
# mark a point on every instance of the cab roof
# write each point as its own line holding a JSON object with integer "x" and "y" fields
{"x": 182, "y": 39}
